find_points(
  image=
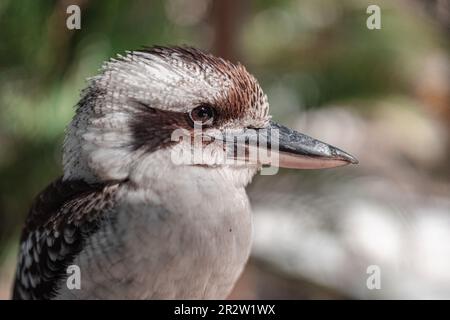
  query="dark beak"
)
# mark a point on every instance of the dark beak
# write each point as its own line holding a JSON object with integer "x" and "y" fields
{"x": 292, "y": 149}
{"x": 299, "y": 151}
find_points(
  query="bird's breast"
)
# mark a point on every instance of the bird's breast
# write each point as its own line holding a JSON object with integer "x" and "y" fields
{"x": 198, "y": 250}
{"x": 183, "y": 248}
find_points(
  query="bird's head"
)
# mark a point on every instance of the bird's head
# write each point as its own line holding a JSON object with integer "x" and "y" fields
{"x": 136, "y": 114}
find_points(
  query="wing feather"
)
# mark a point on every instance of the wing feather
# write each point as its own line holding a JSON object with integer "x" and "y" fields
{"x": 62, "y": 216}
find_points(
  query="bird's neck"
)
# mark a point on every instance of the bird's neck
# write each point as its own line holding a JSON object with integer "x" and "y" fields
{"x": 190, "y": 188}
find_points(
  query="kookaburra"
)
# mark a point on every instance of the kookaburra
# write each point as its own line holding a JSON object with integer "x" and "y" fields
{"x": 136, "y": 223}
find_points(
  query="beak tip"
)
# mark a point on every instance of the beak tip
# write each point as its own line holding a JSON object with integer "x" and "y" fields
{"x": 347, "y": 157}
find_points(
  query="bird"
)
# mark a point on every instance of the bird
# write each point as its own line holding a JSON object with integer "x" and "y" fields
{"x": 136, "y": 223}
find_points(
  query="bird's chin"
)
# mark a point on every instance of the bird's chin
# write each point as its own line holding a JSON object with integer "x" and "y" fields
{"x": 240, "y": 173}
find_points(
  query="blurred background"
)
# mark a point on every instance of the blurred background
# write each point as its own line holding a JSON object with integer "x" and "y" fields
{"x": 382, "y": 95}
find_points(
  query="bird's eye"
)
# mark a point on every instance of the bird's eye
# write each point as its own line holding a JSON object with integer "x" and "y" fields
{"x": 203, "y": 114}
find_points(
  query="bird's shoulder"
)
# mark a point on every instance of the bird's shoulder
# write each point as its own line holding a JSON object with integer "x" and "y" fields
{"x": 61, "y": 217}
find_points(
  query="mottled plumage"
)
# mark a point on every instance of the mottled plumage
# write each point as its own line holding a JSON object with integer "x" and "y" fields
{"x": 125, "y": 115}
{"x": 62, "y": 216}
{"x": 139, "y": 224}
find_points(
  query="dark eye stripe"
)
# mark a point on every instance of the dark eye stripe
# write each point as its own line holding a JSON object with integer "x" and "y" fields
{"x": 152, "y": 128}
